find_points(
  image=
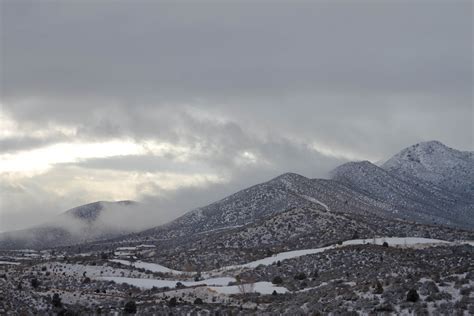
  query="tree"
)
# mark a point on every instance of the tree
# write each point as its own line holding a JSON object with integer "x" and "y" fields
{"x": 130, "y": 307}
{"x": 246, "y": 285}
{"x": 56, "y": 301}
{"x": 300, "y": 276}
{"x": 385, "y": 244}
{"x": 412, "y": 296}
{"x": 172, "y": 302}
{"x": 35, "y": 283}
{"x": 277, "y": 280}
{"x": 378, "y": 288}
{"x": 198, "y": 301}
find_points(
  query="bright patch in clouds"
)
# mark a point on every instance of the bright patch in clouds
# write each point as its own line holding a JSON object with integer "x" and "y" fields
{"x": 39, "y": 160}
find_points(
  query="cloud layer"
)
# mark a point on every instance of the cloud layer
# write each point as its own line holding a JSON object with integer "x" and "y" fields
{"x": 204, "y": 98}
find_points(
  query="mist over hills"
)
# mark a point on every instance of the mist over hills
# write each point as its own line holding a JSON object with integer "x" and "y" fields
{"x": 427, "y": 183}
{"x": 84, "y": 223}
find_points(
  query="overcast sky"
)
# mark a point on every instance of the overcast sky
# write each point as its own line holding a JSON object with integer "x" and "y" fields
{"x": 181, "y": 103}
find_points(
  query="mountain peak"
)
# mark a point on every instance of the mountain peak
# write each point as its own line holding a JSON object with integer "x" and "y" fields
{"x": 289, "y": 176}
{"x": 352, "y": 167}
{"x": 90, "y": 212}
{"x": 437, "y": 163}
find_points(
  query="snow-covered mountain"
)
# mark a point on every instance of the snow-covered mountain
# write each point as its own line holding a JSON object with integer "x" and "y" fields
{"x": 411, "y": 198}
{"x": 436, "y": 163}
{"x": 355, "y": 188}
{"x": 262, "y": 200}
{"x": 392, "y": 192}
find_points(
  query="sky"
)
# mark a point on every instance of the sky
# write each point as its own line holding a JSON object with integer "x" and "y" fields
{"x": 180, "y": 103}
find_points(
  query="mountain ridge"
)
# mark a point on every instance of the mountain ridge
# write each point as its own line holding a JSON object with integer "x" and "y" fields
{"x": 355, "y": 188}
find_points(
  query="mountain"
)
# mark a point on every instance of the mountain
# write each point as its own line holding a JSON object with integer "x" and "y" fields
{"x": 77, "y": 225}
{"x": 411, "y": 198}
{"x": 90, "y": 213}
{"x": 262, "y": 200}
{"x": 436, "y": 163}
{"x": 356, "y": 189}
{"x": 293, "y": 229}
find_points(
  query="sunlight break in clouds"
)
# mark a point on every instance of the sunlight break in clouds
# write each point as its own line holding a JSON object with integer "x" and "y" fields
{"x": 42, "y": 159}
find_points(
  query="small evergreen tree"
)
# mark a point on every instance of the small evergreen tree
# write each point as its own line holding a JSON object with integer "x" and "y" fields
{"x": 300, "y": 276}
{"x": 198, "y": 301}
{"x": 277, "y": 280}
{"x": 172, "y": 302}
{"x": 378, "y": 288}
{"x": 56, "y": 301}
{"x": 35, "y": 283}
{"x": 412, "y": 296}
{"x": 130, "y": 307}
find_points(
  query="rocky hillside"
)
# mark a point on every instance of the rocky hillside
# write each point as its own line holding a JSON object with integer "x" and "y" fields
{"x": 433, "y": 162}
{"x": 410, "y": 198}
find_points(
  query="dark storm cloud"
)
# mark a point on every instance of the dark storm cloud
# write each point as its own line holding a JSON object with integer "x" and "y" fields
{"x": 171, "y": 49}
{"x": 87, "y": 62}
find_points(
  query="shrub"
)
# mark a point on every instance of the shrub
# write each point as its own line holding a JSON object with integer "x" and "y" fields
{"x": 56, "y": 301}
{"x": 300, "y": 276}
{"x": 378, "y": 288}
{"x": 412, "y": 296}
{"x": 35, "y": 283}
{"x": 130, "y": 307}
{"x": 198, "y": 301}
{"x": 385, "y": 244}
{"x": 172, "y": 302}
{"x": 277, "y": 280}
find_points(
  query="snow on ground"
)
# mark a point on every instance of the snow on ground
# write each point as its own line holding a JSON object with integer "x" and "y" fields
{"x": 397, "y": 241}
{"x": 312, "y": 288}
{"x": 264, "y": 288}
{"x": 218, "y": 285}
{"x": 9, "y": 262}
{"x": 154, "y": 267}
{"x": 311, "y": 199}
{"x": 149, "y": 283}
{"x": 392, "y": 241}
